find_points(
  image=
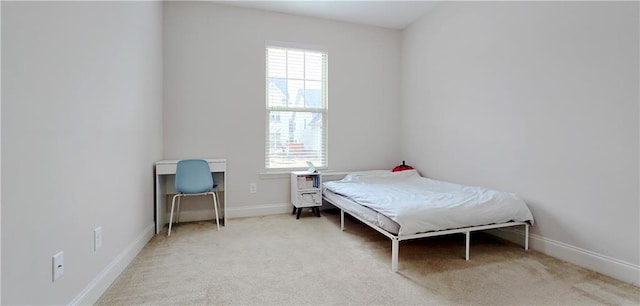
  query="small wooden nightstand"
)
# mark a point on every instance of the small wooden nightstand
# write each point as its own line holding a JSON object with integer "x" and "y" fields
{"x": 306, "y": 191}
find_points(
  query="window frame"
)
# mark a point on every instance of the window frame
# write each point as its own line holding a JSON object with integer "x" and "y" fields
{"x": 323, "y": 109}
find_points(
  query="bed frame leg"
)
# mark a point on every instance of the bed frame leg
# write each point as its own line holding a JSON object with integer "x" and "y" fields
{"x": 467, "y": 242}
{"x": 526, "y": 237}
{"x": 342, "y": 220}
{"x": 394, "y": 255}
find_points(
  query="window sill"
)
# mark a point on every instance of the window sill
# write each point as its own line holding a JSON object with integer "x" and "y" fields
{"x": 282, "y": 174}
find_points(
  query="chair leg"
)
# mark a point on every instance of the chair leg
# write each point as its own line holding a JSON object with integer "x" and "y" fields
{"x": 173, "y": 203}
{"x": 218, "y": 205}
{"x": 215, "y": 208}
{"x": 178, "y": 211}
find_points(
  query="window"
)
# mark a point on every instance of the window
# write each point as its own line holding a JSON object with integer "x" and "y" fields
{"x": 296, "y": 107}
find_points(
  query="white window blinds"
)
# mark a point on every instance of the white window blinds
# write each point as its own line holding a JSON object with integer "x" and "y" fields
{"x": 296, "y": 107}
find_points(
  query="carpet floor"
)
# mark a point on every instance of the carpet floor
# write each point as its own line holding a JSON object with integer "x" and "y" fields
{"x": 278, "y": 260}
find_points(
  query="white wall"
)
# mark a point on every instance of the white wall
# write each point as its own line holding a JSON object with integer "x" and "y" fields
{"x": 81, "y": 127}
{"x": 0, "y": 160}
{"x": 537, "y": 98}
{"x": 214, "y": 61}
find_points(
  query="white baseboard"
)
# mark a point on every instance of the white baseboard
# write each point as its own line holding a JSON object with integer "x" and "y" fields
{"x": 92, "y": 292}
{"x": 240, "y": 212}
{"x": 606, "y": 265}
{"x": 234, "y": 212}
{"x": 259, "y": 210}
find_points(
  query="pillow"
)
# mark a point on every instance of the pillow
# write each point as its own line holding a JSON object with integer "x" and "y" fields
{"x": 405, "y": 173}
{"x": 361, "y": 174}
{"x": 379, "y": 175}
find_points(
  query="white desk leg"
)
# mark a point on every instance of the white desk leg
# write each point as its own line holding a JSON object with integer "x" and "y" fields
{"x": 157, "y": 204}
{"x": 160, "y": 199}
{"x": 224, "y": 183}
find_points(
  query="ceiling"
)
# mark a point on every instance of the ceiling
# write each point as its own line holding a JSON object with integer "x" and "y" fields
{"x": 387, "y": 14}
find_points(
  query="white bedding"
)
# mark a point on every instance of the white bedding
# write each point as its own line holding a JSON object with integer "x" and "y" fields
{"x": 420, "y": 204}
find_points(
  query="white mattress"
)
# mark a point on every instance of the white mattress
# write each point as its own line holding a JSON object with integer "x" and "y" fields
{"x": 418, "y": 204}
{"x": 364, "y": 212}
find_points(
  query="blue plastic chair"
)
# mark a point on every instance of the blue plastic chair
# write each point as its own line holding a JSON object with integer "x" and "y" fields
{"x": 193, "y": 177}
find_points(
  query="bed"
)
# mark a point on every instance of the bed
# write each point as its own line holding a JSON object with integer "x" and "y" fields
{"x": 404, "y": 205}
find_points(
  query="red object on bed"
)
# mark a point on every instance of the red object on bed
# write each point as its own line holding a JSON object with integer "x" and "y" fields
{"x": 402, "y": 167}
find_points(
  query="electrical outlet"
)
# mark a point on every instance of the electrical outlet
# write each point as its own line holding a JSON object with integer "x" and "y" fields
{"x": 57, "y": 265}
{"x": 253, "y": 188}
{"x": 97, "y": 238}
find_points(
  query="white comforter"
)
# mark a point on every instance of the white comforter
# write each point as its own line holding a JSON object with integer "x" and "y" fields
{"x": 420, "y": 204}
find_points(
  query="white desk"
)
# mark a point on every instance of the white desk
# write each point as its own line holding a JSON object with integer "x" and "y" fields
{"x": 167, "y": 168}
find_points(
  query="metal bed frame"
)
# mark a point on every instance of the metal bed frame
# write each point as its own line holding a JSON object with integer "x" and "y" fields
{"x": 395, "y": 239}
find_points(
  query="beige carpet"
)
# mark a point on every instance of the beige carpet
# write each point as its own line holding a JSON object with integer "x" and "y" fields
{"x": 278, "y": 260}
